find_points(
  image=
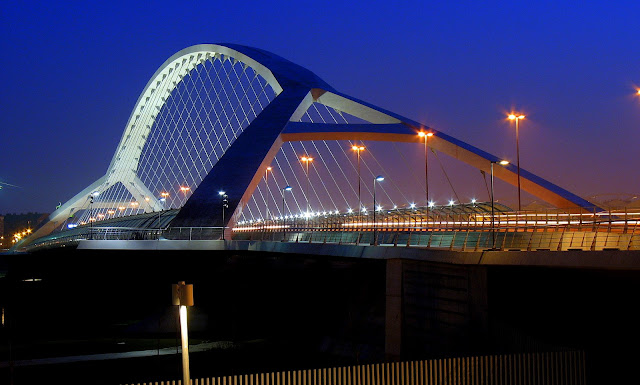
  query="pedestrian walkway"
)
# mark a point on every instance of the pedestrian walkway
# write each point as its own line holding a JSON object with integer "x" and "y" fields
{"x": 114, "y": 356}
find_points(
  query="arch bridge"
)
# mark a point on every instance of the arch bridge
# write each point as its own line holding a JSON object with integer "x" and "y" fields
{"x": 218, "y": 139}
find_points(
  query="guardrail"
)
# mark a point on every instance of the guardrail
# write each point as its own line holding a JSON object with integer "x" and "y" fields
{"x": 408, "y": 220}
{"x": 554, "y": 230}
{"x": 71, "y": 238}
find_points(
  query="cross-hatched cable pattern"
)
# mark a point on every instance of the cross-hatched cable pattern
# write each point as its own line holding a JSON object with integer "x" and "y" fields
{"x": 208, "y": 103}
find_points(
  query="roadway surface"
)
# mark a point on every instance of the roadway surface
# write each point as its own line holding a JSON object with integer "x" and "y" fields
{"x": 603, "y": 259}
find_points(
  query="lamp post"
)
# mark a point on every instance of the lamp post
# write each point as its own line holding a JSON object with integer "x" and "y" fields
{"x": 307, "y": 160}
{"x": 91, "y": 217}
{"x": 358, "y": 149}
{"x": 266, "y": 182}
{"x": 164, "y": 195}
{"x": 287, "y": 188}
{"x": 426, "y": 136}
{"x": 517, "y": 118}
{"x": 379, "y": 178}
{"x": 182, "y": 296}
{"x": 162, "y": 200}
{"x": 493, "y": 229}
{"x": 225, "y": 205}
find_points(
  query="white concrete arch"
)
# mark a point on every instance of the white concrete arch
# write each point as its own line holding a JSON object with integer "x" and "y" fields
{"x": 125, "y": 161}
{"x": 295, "y": 89}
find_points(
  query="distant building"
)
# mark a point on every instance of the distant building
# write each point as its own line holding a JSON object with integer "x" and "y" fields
{"x": 13, "y": 223}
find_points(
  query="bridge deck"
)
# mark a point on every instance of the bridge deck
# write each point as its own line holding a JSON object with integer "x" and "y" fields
{"x": 604, "y": 259}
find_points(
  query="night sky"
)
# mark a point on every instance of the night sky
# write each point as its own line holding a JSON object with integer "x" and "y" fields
{"x": 72, "y": 73}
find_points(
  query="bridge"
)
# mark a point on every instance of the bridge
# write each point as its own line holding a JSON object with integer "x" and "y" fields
{"x": 232, "y": 148}
{"x": 228, "y": 142}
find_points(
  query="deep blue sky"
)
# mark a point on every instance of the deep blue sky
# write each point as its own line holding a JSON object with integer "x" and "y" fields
{"x": 72, "y": 73}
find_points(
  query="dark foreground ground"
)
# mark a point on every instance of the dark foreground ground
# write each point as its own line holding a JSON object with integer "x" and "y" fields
{"x": 275, "y": 312}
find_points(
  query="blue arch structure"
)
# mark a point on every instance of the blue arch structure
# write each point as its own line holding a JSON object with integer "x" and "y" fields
{"x": 242, "y": 166}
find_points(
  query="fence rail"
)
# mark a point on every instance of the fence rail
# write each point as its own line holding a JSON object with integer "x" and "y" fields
{"x": 552, "y": 368}
{"x": 554, "y": 230}
{"x": 460, "y": 240}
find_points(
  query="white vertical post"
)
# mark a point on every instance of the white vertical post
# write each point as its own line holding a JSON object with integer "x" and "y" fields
{"x": 185, "y": 345}
{"x": 182, "y": 296}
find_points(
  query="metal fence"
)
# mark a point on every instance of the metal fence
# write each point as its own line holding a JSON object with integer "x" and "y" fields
{"x": 461, "y": 240}
{"x": 556, "y": 230}
{"x": 622, "y": 221}
{"x": 554, "y": 368}
{"x": 71, "y": 238}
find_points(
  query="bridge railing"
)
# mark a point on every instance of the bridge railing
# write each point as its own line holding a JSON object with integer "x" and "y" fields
{"x": 554, "y": 230}
{"x": 73, "y": 237}
{"x": 192, "y": 233}
{"x": 469, "y": 231}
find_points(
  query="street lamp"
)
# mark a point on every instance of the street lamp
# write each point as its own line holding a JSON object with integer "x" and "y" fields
{"x": 517, "y": 118}
{"x": 358, "y": 149}
{"x": 426, "y": 136}
{"x": 379, "y": 178}
{"x": 493, "y": 229}
{"x": 266, "y": 182}
{"x": 287, "y": 188}
{"x": 225, "y": 205}
{"x": 162, "y": 200}
{"x": 164, "y": 195}
{"x": 91, "y": 219}
{"x": 307, "y": 160}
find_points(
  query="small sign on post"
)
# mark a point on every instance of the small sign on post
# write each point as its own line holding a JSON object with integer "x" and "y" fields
{"x": 182, "y": 296}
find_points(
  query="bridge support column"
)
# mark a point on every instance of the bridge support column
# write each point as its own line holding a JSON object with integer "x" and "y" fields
{"x": 434, "y": 307}
{"x": 393, "y": 310}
